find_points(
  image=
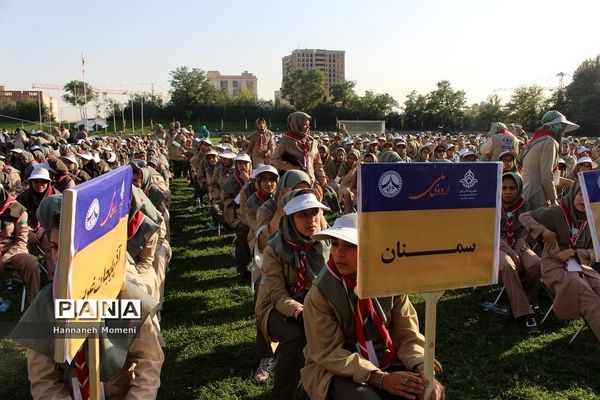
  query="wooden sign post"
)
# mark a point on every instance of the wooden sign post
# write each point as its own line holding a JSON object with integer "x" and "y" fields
{"x": 426, "y": 228}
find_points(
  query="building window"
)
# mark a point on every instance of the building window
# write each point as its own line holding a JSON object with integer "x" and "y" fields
{"x": 224, "y": 85}
{"x": 250, "y": 85}
{"x": 237, "y": 87}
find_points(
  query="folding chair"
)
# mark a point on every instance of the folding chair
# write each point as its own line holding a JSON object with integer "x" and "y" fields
{"x": 24, "y": 290}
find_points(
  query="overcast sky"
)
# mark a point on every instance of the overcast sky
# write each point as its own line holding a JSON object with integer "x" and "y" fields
{"x": 391, "y": 46}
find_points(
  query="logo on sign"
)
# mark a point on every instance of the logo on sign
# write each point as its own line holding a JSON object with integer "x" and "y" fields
{"x": 469, "y": 180}
{"x": 390, "y": 184}
{"x": 91, "y": 217}
{"x": 598, "y": 182}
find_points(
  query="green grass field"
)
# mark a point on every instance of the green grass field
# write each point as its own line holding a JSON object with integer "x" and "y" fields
{"x": 209, "y": 332}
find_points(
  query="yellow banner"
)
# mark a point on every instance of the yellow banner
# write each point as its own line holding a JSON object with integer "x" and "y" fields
{"x": 403, "y": 252}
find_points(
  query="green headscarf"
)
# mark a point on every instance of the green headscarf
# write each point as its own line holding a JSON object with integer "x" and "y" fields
{"x": 389, "y": 157}
{"x": 317, "y": 253}
{"x": 295, "y": 121}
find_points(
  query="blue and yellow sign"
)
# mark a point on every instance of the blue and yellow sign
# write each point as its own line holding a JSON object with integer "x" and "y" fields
{"x": 427, "y": 226}
{"x": 93, "y": 243}
{"x": 590, "y": 188}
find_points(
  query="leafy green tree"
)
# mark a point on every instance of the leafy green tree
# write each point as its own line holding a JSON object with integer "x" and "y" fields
{"x": 489, "y": 111}
{"x": 78, "y": 94}
{"x": 342, "y": 92}
{"x": 245, "y": 98}
{"x": 304, "y": 88}
{"x": 377, "y": 105}
{"x": 415, "y": 110}
{"x": 583, "y": 96}
{"x": 446, "y": 105}
{"x": 526, "y": 106}
{"x": 190, "y": 90}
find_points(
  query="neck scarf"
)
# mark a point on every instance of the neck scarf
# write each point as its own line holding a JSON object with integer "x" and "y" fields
{"x": 298, "y": 288}
{"x": 575, "y": 230}
{"x": 364, "y": 309}
{"x": 303, "y": 141}
{"x": 83, "y": 373}
{"x": 539, "y": 133}
{"x": 510, "y": 214}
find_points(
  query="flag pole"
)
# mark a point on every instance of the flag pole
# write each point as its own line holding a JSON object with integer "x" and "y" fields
{"x": 84, "y": 91}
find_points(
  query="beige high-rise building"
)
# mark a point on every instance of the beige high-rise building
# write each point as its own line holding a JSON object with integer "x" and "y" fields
{"x": 13, "y": 96}
{"x": 331, "y": 62}
{"x": 233, "y": 84}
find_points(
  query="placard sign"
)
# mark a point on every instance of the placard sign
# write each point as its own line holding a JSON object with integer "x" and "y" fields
{"x": 427, "y": 226}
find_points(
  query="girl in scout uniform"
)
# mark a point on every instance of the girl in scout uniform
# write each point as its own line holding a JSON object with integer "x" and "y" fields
{"x": 568, "y": 253}
{"x": 359, "y": 349}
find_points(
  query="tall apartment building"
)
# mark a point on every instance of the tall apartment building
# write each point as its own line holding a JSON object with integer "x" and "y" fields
{"x": 13, "y": 96}
{"x": 233, "y": 84}
{"x": 330, "y": 62}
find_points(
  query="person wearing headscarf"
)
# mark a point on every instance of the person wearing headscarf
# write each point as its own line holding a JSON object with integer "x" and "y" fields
{"x": 12, "y": 183}
{"x": 424, "y": 153}
{"x": 538, "y": 159}
{"x": 347, "y": 174}
{"x": 412, "y": 149}
{"x": 40, "y": 186}
{"x": 216, "y": 182}
{"x": 290, "y": 263}
{"x": 332, "y": 167}
{"x": 78, "y": 175}
{"x": 130, "y": 365}
{"x": 62, "y": 179}
{"x": 232, "y": 204}
{"x": 568, "y": 253}
{"x": 325, "y": 156}
{"x": 519, "y": 265}
{"x": 299, "y": 150}
{"x": 14, "y": 232}
{"x": 499, "y": 141}
{"x": 198, "y": 177}
{"x": 341, "y": 328}
{"x": 270, "y": 212}
{"x": 261, "y": 144}
{"x": 507, "y": 158}
{"x": 583, "y": 164}
{"x": 265, "y": 180}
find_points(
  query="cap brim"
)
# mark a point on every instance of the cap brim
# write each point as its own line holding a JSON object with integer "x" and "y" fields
{"x": 346, "y": 234}
{"x": 302, "y": 203}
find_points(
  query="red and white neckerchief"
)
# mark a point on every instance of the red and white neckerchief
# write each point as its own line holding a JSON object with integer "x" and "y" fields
{"x": 7, "y": 203}
{"x": 575, "y": 232}
{"x": 261, "y": 196}
{"x": 83, "y": 373}
{"x": 510, "y": 216}
{"x": 362, "y": 311}
{"x": 298, "y": 287}
{"x": 304, "y": 142}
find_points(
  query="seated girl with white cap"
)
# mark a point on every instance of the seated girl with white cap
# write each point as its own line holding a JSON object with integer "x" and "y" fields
{"x": 359, "y": 348}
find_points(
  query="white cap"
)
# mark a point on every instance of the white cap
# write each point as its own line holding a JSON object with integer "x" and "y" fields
{"x": 263, "y": 169}
{"x": 227, "y": 154}
{"x": 303, "y": 202}
{"x": 211, "y": 153}
{"x": 69, "y": 157}
{"x": 467, "y": 153}
{"x": 86, "y": 156}
{"x": 511, "y": 152}
{"x": 561, "y": 161}
{"x": 584, "y": 160}
{"x": 345, "y": 228}
{"x": 40, "y": 173}
{"x": 17, "y": 150}
{"x": 112, "y": 158}
{"x": 243, "y": 157}
{"x": 204, "y": 140}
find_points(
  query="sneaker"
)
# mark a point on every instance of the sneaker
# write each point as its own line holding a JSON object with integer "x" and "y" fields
{"x": 531, "y": 326}
{"x": 265, "y": 369}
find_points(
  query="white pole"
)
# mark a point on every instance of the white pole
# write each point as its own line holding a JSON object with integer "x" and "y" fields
{"x": 132, "y": 118}
{"x": 142, "y": 115}
{"x": 84, "y": 90}
{"x": 114, "y": 118}
{"x": 40, "y": 108}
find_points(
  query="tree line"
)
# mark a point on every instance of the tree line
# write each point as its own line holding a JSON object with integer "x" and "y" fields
{"x": 193, "y": 98}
